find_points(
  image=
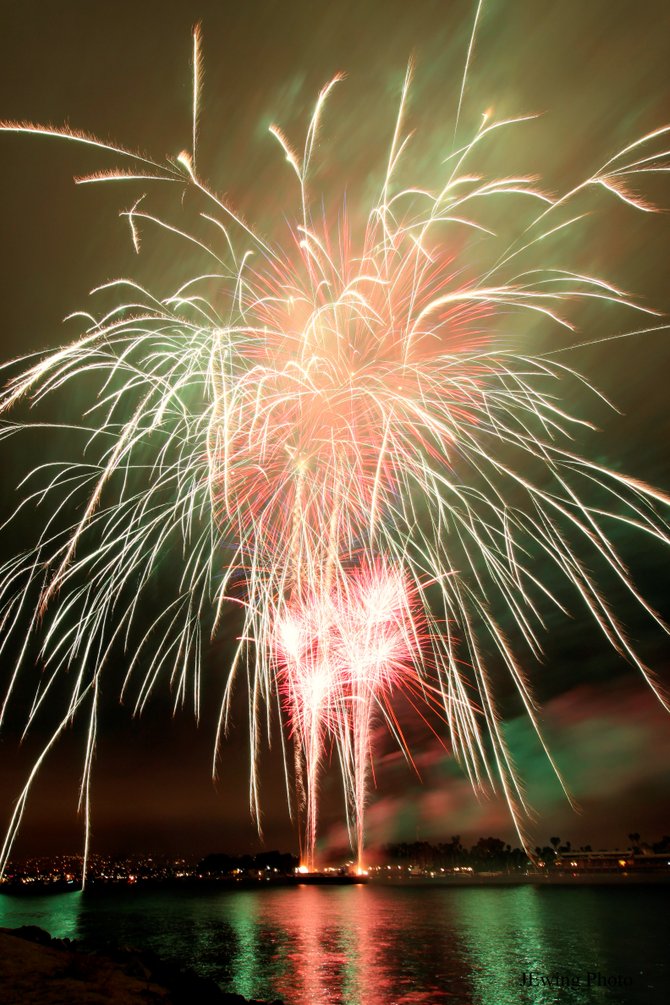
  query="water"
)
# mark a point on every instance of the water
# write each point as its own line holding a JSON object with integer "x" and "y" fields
{"x": 375, "y": 945}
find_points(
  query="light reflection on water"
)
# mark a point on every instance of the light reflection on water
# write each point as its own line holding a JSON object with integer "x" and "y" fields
{"x": 372, "y": 945}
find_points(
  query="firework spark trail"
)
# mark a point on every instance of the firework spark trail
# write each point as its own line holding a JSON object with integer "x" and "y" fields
{"x": 340, "y": 653}
{"x": 316, "y": 430}
{"x": 382, "y": 650}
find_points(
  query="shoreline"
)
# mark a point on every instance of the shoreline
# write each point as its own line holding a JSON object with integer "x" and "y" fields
{"x": 37, "y": 969}
{"x": 209, "y": 885}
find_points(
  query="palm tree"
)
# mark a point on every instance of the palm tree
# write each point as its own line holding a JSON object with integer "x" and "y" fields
{"x": 635, "y": 840}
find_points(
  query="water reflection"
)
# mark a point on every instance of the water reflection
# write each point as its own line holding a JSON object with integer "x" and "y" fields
{"x": 565, "y": 938}
{"x": 58, "y": 913}
{"x": 382, "y": 945}
{"x": 242, "y": 917}
{"x": 358, "y": 945}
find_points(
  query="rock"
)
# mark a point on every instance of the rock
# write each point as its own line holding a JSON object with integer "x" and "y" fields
{"x": 33, "y": 934}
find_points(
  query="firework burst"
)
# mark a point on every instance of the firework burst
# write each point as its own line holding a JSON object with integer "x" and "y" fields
{"x": 345, "y": 434}
{"x": 341, "y": 653}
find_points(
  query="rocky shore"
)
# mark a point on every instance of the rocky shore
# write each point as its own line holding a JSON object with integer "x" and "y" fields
{"x": 36, "y": 969}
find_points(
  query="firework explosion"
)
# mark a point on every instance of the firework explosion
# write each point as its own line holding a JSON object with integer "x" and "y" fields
{"x": 343, "y": 433}
{"x": 340, "y": 654}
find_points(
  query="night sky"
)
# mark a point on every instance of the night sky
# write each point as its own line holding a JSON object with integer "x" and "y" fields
{"x": 598, "y": 72}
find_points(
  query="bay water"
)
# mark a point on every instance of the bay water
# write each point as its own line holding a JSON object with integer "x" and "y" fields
{"x": 387, "y": 945}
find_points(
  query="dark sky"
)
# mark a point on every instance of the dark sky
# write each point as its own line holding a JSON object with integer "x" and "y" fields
{"x": 598, "y": 72}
